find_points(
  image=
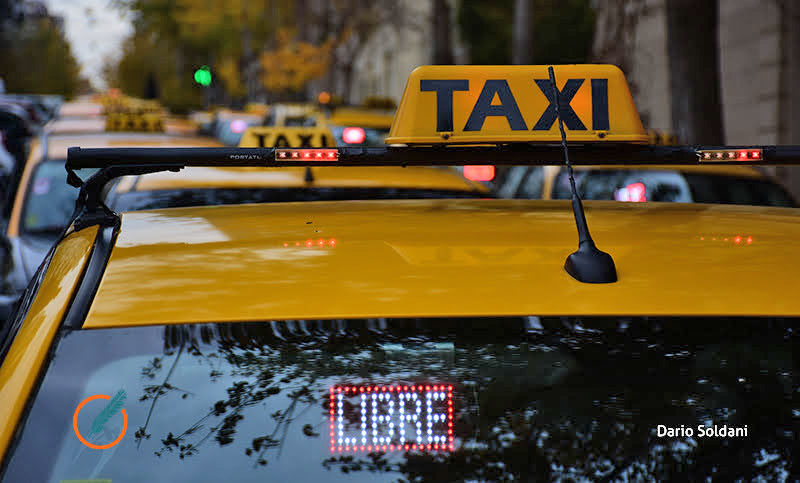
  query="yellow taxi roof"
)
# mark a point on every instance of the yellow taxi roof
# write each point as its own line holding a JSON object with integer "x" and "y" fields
{"x": 76, "y": 125}
{"x": 57, "y": 145}
{"x": 80, "y": 108}
{"x": 444, "y": 258}
{"x": 325, "y": 177}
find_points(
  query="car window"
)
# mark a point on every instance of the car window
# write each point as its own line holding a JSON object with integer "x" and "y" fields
{"x": 531, "y": 186}
{"x": 473, "y": 399}
{"x": 671, "y": 186}
{"x": 741, "y": 191}
{"x": 49, "y": 201}
{"x": 148, "y": 200}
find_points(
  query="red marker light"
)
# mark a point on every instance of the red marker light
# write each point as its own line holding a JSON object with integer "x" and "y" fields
{"x": 353, "y": 135}
{"x": 742, "y": 155}
{"x": 755, "y": 154}
{"x": 323, "y": 154}
{"x": 479, "y": 173}
{"x": 749, "y": 240}
{"x": 737, "y": 239}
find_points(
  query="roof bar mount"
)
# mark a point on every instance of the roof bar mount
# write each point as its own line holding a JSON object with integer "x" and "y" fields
{"x": 588, "y": 264}
{"x": 90, "y": 209}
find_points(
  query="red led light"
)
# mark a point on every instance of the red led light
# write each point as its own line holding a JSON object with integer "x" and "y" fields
{"x": 285, "y": 245}
{"x": 737, "y": 239}
{"x": 353, "y": 135}
{"x": 755, "y": 154}
{"x": 479, "y": 173}
{"x": 309, "y": 243}
{"x": 322, "y": 154}
{"x": 742, "y": 155}
{"x": 749, "y": 240}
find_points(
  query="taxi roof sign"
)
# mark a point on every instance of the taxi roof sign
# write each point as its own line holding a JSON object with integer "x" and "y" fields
{"x": 287, "y": 137}
{"x": 507, "y": 104}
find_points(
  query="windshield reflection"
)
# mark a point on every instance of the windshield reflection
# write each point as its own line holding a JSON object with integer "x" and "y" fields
{"x": 536, "y": 399}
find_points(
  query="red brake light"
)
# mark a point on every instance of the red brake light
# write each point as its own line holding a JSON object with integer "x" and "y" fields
{"x": 635, "y": 192}
{"x": 353, "y": 135}
{"x": 479, "y": 173}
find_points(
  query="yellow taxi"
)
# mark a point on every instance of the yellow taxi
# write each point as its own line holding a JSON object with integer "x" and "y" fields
{"x": 426, "y": 340}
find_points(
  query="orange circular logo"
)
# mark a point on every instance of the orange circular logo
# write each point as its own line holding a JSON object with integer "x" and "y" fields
{"x": 78, "y": 433}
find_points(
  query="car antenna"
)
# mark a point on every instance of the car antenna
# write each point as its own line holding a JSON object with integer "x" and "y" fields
{"x": 588, "y": 264}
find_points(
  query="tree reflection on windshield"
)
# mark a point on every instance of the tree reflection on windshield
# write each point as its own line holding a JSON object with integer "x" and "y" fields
{"x": 566, "y": 402}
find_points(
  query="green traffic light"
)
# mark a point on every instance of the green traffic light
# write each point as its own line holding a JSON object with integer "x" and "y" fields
{"x": 203, "y": 76}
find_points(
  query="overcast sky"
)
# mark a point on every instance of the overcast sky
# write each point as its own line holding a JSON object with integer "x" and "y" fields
{"x": 95, "y": 30}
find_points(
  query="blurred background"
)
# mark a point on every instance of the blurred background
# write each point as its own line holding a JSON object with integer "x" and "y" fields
{"x": 703, "y": 71}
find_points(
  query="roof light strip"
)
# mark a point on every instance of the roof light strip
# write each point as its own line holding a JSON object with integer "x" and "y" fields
{"x": 323, "y": 155}
{"x": 730, "y": 155}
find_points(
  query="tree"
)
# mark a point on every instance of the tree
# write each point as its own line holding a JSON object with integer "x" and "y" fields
{"x": 442, "y": 28}
{"x": 56, "y": 71}
{"x": 522, "y": 51}
{"x": 561, "y": 31}
{"x": 693, "y": 49}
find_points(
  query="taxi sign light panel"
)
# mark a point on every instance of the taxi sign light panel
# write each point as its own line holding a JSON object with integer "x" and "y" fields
{"x": 367, "y": 418}
{"x": 498, "y": 104}
{"x": 287, "y": 137}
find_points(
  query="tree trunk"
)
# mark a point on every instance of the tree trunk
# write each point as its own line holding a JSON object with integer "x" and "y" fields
{"x": 693, "y": 48}
{"x": 442, "y": 29}
{"x": 522, "y": 48}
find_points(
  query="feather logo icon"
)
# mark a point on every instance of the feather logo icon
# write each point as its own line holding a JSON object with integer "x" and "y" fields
{"x": 113, "y": 407}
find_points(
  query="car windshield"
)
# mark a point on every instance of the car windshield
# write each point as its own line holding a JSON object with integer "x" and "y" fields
{"x": 455, "y": 399}
{"x": 150, "y": 200}
{"x": 683, "y": 187}
{"x": 49, "y": 200}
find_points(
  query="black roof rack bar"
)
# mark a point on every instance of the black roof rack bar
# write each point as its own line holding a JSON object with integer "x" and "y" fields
{"x": 451, "y": 155}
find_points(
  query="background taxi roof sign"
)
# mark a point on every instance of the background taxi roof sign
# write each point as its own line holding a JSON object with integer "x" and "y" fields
{"x": 500, "y": 104}
{"x": 287, "y": 137}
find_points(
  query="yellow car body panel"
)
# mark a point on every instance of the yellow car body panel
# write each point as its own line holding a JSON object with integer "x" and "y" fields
{"x": 431, "y": 258}
{"x": 293, "y": 177}
{"x": 748, "y": 172}
{"x": 502, "y": 103}
{"x": 20, "y": 368}
{"x": 57, "y": 149}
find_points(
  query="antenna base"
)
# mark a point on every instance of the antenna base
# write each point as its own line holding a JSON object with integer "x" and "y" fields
{"x": 590, "y": 265}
